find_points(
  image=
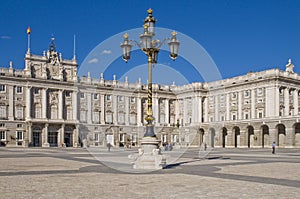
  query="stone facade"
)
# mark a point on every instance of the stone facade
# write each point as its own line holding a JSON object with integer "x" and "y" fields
{"x": 47, "y": 104}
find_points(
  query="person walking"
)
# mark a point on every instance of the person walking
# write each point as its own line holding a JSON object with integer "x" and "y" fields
{"x": 273, "y": 147}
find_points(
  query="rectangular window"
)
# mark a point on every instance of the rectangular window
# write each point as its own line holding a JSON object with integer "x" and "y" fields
{"x": 259, "y": 91}
{"x": 81, "y": 95}
{"x": 2, "y": 88}
{"x": 233, "y": 117}
{"x": 121, "y": 98}
{"x": 2, "y": 135}
{"x": 2, "y": 125}
{"x": 19, "y": 125}
{"x": 19, "y": 89}
{"x": 96, "y": 137}
{"x": 96, "y": 116}
{"x": 108, "y": 97}
{"x": 68, "y": 94}
{"x": 19, "y": 112}
{"x": 96, "y": 96}
{"x": 246, "y": 116}
{"x": 19, "y": 135}
{"x": 3, "y": 112}
{"x": 36, "y": 91}
{"x": 247, "y": 93}
{"x": 132, "y": 99}
{"x": 260, "y": 115}
{"x": 233, "y": 95}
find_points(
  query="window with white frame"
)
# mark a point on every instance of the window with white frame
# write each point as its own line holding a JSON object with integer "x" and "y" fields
{"x": 69, "y": 113}
{"x": 96, "y": 116}
{"x": 19, "y": 89}
{"x": 19, "y": 112}
{"x": 109, "y": 117}
{"x": 38, "y": 111}
{"x": 3, "y": 112}
{"x": 233, "y": 95}
{"x": 2, "y": 88}
{"x": 260, "y": 114}
{"x": 19, "y": 125}
{"x": 83, "y": 115}
{"x": 122, "y": 137}
{"x": 246, "y": 93}
{"x": 246, "y": 116}
{"x": 96, "y": 96}
{"x": 96, "y": 137}
{"x": 2, "y": 135}
{"x": 108, "y": 97}
{"x": 132, "y": 118}
{"x": 82, "y": 95}
{"x": 2, "y": 125}
{"x": 132, "y": 99}
{"x": 54, "y": 112}
{"x": 233, "y": 116}
{"x": 68, "y": 93}
{"x": 19, "y": 135}
{"x": 259, "y": 92}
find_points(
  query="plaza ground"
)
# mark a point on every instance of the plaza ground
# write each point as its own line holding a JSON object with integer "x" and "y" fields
{"x": 191, "y": 173}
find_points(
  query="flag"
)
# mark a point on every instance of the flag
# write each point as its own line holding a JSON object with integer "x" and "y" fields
{"x": 28, "y": 30}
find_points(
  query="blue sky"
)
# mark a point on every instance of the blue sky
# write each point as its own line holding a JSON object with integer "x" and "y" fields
{"x": 239, "y": 36}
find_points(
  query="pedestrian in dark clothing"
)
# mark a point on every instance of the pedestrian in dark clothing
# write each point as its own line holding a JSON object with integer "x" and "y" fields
{"x": 273, "y": 147}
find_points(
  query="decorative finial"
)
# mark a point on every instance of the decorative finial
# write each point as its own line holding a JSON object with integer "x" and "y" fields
{"x": 290, "y": 60}
{"x": 10, "y": 64}
{"x": 126, "y": 36}
{"x": 174, "y": 33}
{"x": 149, "y": 11}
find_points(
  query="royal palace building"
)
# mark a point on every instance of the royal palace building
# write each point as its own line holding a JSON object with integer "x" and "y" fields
{"x": 48, "y": 105}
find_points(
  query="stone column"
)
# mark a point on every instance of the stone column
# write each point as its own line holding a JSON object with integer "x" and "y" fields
{"x": 44, "y": 103}
{"x": 216, "y": 108}
{"x": 62, "y": 136}
{"x": 75, "y": 136}
{"x": 277, "y": 95}
{"x": 45, "y": 136}
{"x": 176, "y": 111}
{"x": 206, "y": 109}
{"x": 29, "y": 135}
{"x": 286, "y": 102}
{"x": 156, "y": 109}
{"x": 240, "y": 102}
{"x": 199, "y": 109}
{"x": 230, "y": 137}
{"x": 227, "y": 106}
{"x": 139, "y": 110}
{"x": 296, "y": 103}
{"x": 28, "y": 103}
{"x": 102, "y": 104}
{"x": 60, "y": 104}
{"x": 74, "y": 105}
{"x": 11, "y": 102}
{"x": 126, "y": 100}
{"x": 115, "y": 109}
{"x": 167, "y": 114}
{"x": 289, "y": 138}
{"x": 89, "y": 108}
{"x": 194, "y": 109}
{"x": 273, "y": 135}
{"x": 253, "y": 115}
{"x": 184, "y": 111}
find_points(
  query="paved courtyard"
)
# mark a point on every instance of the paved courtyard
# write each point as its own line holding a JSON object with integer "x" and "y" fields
{"x": 191, "y": 173}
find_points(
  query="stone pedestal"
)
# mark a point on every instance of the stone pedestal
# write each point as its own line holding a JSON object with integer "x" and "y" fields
{"x": 149, "y": 156}
{"x": 46, "y": 144}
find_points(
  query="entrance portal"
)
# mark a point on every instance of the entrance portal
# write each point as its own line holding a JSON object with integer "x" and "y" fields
{"x": 68, "y": 139}
{"x": 36, "y": 139}
{"x": 52, "y": 139}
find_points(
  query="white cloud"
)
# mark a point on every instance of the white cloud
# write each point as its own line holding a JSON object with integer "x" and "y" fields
{"x": 5, "y": 37}
{"x": 106, "y": 52}
{"x": 93, "y": 61}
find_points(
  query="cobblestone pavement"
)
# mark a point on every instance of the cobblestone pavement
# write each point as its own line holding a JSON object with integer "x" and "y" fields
{"x": 191, "y": 173}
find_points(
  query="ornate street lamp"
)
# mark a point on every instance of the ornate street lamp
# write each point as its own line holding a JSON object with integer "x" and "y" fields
{"x": 151, "y": 48}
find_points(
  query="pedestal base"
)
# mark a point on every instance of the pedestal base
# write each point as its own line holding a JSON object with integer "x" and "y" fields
{"x": 149, "y": 156}
{"x": 46, "y": 145}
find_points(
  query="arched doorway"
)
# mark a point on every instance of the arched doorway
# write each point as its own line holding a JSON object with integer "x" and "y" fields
{"x": 224, "y": 137}
{"x": 237, "y": 136}
{"x": 265, "y": 136}
{"x": 297, "y": 135}
{"x": 212, "y": 134}
{"x": 250, "y": 136}
{"x": 201, "y": 136}
{"x": 281, "y": 135}
{"x": 109, "y": 136}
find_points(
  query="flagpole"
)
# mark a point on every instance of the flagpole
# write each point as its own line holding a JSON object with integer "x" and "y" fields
{"x": 28, "y": 40}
